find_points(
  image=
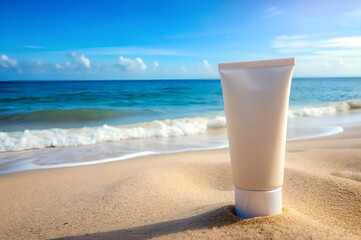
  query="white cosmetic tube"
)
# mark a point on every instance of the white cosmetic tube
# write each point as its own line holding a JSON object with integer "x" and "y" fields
{"x": 256, "y": 96}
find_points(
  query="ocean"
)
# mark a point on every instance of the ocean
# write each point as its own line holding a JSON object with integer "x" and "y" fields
{"x": 47, "y": 124}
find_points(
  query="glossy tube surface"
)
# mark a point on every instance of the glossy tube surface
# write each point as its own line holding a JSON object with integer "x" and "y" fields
{"x": 256, "y": 96}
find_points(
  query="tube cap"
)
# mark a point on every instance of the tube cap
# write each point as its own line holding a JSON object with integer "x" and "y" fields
{"x": 250, "y": 204}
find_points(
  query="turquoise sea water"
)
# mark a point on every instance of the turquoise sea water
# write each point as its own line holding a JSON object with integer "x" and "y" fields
{"x": 69, "y": 104}
{"x": 146, "y": 116}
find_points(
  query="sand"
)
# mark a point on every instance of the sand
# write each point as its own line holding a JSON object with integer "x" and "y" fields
{"x": 187, "y": 196}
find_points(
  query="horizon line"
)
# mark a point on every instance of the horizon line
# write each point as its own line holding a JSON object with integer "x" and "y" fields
{"x": 144, "y": 79}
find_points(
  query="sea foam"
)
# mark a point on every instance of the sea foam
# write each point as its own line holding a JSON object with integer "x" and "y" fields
{"x": 57, "y": 137}
{"x": 328, "y": 109}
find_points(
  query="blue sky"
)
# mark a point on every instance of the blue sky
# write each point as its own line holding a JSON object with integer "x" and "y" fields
{"x": 174, "y": 39}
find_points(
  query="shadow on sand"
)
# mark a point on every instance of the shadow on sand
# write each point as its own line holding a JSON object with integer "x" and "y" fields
{"x": 216, "y": 218}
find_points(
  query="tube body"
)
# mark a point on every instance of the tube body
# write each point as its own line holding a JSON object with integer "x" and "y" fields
{"x": 256, "y": 97}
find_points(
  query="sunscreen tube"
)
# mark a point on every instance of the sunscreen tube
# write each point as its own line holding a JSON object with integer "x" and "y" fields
{"x": 256, "y": 96}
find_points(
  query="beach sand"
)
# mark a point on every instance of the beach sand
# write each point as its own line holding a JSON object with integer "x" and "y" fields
{"x": 187, "y": 195}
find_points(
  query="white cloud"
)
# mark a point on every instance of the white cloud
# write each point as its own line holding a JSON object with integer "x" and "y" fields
{"x": 127, "y": 63}
{"x": 33, "y": 47}
{"x": 208, "y": 66}
{"x": 81, "y": 59}
{"x": 39, "y": 66}
{"x": 85, "y": 61}
{"x": 156, "y": 64}
{"x": 340, "y": 53}
{"x": 7, "y": 62}
{"x": 58, "y": 66}
{"x": 325, "y": 66}
{"x": 344, "y": 42}
{"x": 288, "y": 43}
{"x": 304, "y": 43}
{"x": 142, "y": 65}
{"x": 132, "y": 65}
{"x": 79, "y": 63}
{"x": 321, "y": 56}
{"x": 344, "y": 64}
{"x": 37, "y": 63}
{"x": 184, "y": 69}
{"x": 272, "y": 11}
{"x": 66, "y": 65}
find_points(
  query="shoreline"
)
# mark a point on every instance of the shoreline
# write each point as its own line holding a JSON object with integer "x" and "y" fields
{"x": 303, "y": 121}
{"x": 328, "y": 131}
{"x": 187, "y": 194}
{"x": 34, "y": 167}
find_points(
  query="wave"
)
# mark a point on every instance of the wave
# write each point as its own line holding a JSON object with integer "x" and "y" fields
{"x": 57, "y": 137}
{"x": 328, "y": 109}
